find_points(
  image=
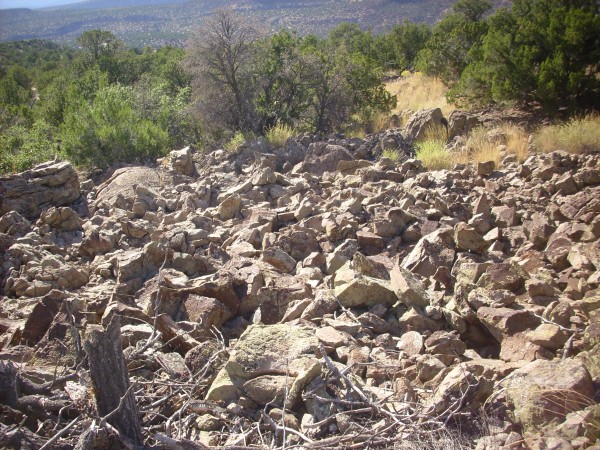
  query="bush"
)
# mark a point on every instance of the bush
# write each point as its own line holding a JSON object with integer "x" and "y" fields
{"x": 544, "y": 51}
{"x": 108, "y": 130}
{"x": 580, "y": 135}
{"x": 21, "y": 148}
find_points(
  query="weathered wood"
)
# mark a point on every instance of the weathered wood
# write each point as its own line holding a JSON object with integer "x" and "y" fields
{"x": 110, "y": 380}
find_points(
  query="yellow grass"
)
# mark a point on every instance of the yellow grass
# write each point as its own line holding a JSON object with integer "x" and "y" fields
{"x": 580, "y": 135}
{"x": 434, "y": 155}
{"x": 393, "y": 155}
{"x": 481, "y": 148}
{"x": 417, "y": 91}
{"x": 516, "y": 141}
{"x": 279, "y": 134}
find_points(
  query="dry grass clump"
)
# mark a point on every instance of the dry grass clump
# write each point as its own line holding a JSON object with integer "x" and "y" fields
{"x": 279, "y": 134}
{"x": 516, "y": 141}
{"x": 376, "y": 123}
{"x": 480, "y": 148}
{"x": 484, "y": 144}
{"x": 578, "y": 135}
{"x": 432, "y": 151}
{"x": 434, "y": 155}
{"x": 416, "y": 91}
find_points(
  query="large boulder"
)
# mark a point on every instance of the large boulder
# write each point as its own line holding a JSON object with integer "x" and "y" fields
{"x": 31, "y": 192}
{"x": 128, "y": 185}
{"x": 321, "y": 159}
{"x": 421, "y": 122}
{"x": 267, "y": 362}
{"x": 181, "y": 161}
{"x": 544, "y": 392}
{"x": 461, "y": 123}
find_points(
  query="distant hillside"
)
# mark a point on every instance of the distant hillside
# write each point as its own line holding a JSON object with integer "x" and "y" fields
{"x": 158, "y": 22}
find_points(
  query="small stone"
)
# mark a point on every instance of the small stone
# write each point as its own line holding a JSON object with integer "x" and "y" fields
{"x": 486, "y": 168}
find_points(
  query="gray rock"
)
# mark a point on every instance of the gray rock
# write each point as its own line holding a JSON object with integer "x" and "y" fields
{"x": 46, "y": 185}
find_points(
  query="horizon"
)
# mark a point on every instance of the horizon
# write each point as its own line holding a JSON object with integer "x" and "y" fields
{"x": 35, "y": 4}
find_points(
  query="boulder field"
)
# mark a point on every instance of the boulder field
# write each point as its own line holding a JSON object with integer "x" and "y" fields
{"x": 311, "y": 296}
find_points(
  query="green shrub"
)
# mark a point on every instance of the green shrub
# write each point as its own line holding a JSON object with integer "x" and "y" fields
{"x": 237, "y": 139}
{"x": 21, "y": 148}
{"x": 108, "y": 130}
{"x": 394, "y": 155}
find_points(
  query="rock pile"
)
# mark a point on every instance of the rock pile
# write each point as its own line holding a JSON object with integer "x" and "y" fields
{"x": 306, "y": 296}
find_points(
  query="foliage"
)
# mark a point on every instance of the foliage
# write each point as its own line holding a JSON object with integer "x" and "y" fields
{"x": 391, "y": 154}
{"x": 448, "y": 51}
{"x": 407, "y": 40}
{"x": 279, "y": 134}
{"x": 547, "y": 51}
{"x": 310, "y": 83}
{"x": 578, "y": 135}
{"x": 219, "y": 60}
{"x": 22, "y": 147}
{"x": 79, "y": 106}
{"x": 106, "y": 103}
{"x": 108, "y": 130}
{"x": 99, "y": 44}
{"x": 433, "y": 154}
{"x": 236, "y": 140}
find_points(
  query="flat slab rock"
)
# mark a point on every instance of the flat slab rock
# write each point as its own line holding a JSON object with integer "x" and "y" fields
{"x": 33, "y": 191}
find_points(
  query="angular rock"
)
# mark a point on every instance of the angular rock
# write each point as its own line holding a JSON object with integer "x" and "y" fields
{"x": 408, "y": 287}
{"x": 467, "y": 238}
{"x": 543, "y": 391}
{"x": 229, "y": 207}
{"x": 276, "y": 350}
{"x": 486, "y": 168}
{"x": 365, "y": 291}
{"x": 431, "y": 252}
{"x": 279, "y": 259}
{"x": 502, "y": 322}
{"x": 321, "y": 159}
{"x": 181, "y": 161}
{"x": 421, "y": 122}
{"x": 411, "y": 343}
{"x": 445, "y": 343}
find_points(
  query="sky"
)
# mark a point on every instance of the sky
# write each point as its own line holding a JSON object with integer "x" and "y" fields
{"x": 33, "y": 4}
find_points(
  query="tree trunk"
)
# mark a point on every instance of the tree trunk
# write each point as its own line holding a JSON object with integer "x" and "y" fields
{"x": 110, "y": 379}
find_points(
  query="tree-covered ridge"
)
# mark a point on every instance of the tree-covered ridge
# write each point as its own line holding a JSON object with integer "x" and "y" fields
{"x": 141, "y": 25}
{"x": 106, "y": 103}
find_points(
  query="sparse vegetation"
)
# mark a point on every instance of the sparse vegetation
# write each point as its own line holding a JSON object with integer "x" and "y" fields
{"x": 391, "y": 154}
{"x": 417, "y": 91}
{"x": 236, "y": 140}
{"x": 434, "y": 155}
{"x": 578, "y": 135}
{"x": 481, "y": 147}
{"x": 516, "y": 141}
{"x": 279, "y": 134}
